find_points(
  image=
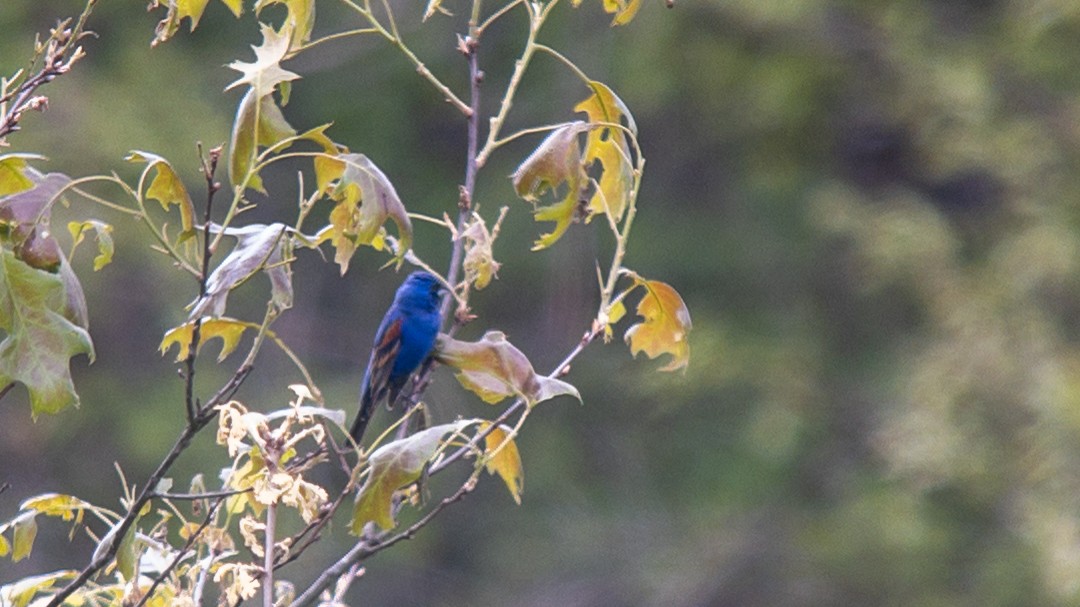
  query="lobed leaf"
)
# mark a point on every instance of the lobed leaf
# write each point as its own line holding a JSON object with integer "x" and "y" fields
{"x": 665, "y": 326}
{"x": 494, "y": 369}
{"x": 300, "y": 20}
{"x": 40, "y": 341}
{"x": 555, "y": 162}
{"x": 229, "y": 330}
{"x": 608, "y": 146}
{"x": 506, "y": 462}
{"x": 265, "y": 73}
{"x": 258, "y": 247}
{"x": 103, "y": 236}
{"x": 166, "y": 187}
{"x": 365, "y": 200}
{"x": 392, "y": 467}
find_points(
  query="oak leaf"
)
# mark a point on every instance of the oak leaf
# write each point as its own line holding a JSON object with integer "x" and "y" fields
{"x": 665, "y": 326}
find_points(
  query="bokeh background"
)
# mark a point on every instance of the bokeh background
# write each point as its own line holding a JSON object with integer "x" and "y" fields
{"x": 871, "y": 209}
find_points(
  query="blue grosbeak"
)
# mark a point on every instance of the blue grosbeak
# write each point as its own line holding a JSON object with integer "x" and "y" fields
{"x": 404, "y": 340}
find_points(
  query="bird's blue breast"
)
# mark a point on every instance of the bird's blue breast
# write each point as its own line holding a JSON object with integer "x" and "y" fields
{"x": 417, "y": 340}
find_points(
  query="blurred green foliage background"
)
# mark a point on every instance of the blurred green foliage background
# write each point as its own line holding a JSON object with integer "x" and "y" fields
{"x": 871, "y": 209}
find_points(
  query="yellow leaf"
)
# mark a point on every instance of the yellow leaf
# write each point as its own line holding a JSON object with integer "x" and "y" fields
{"x": 614, "y": 314}
{"x": 67, "y": 507}
{"x": 300, "y": 20}
{"x": 192, "y": 9}
{"x": 665, "y": 326}
{"x": 229, "y": 330}
{"x": 166, "y": 187}
{"x": 5, "y": 547}
{"x": 394, "y": 466}
{"x": 103, "y": 235}
{"x": 366, "y": 199}
{"x": 494, "y": 369}
{"x": 507, "y": 462}
{"x": 609, "y": 146}
{"x": 624, "y": 10}
{"x": 555, "y": 162}
{"x": 236, "y": 6}
{"x": 13, "y": 177}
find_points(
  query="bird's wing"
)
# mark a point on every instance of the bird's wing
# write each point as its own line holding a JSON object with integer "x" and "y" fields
{"x": 377, "y": 375}
{"x": 382, "y": 359}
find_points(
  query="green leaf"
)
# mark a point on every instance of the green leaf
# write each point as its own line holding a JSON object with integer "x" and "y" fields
{"x": 25, "y": 530}
{"x": 229, "y": 330}
{"x": 366, "y": 199}
{"x": 665, "y": 327}
{"x": 13, "y": 176}
{"x": 259, "y": 124}
{"x": 103, "y": 236}
{"x": 127, "y": 555}
{"x": 258, "y": 247}
{"x": 557, "y": 161}
{"x": 265, "y": 73}
{"x": 392, "y": 467}
{"x": 40, "y": 340}
{"x": 166, "y": 187}
{"x": 609, "y": 146}
{"x": 494, "y": 369}
{"x": 300, "y": 19}
{"x": 506, "y": 462}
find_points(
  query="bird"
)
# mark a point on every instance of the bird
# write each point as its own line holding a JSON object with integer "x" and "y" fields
{"x": 405, "y": 339}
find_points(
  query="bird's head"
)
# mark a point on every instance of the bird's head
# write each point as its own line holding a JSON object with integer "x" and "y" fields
{"x": 421, "y": 289}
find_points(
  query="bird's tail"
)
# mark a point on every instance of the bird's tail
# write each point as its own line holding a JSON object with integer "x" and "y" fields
{"x": 367, "y": 407}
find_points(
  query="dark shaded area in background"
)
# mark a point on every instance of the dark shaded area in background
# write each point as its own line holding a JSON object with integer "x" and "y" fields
{"x": 870, "y": 208}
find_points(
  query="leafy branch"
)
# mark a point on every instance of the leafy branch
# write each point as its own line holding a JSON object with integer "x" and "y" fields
{"x": 57, "y": 56}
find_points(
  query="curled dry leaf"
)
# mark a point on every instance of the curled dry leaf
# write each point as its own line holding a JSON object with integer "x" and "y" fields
{"x": 494, "y": 369}
{"x": 556, "y": 162}
{"x": 258, "y": 247}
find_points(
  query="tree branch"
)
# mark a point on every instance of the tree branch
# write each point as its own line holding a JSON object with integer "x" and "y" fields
{"x": 364, "y": 549}
{"x": 60, "y": 53}
{"x": 180, "y": 555}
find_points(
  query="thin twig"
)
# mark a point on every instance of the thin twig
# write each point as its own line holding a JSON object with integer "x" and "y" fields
{"x": 190, "y": 497}
{"x": 59, "y": 55}
{"x": 268, "y": 555}
{"x": 209, "y": 167}
{"x": 364, "y": 549}
{"x": 183, "y": 551}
